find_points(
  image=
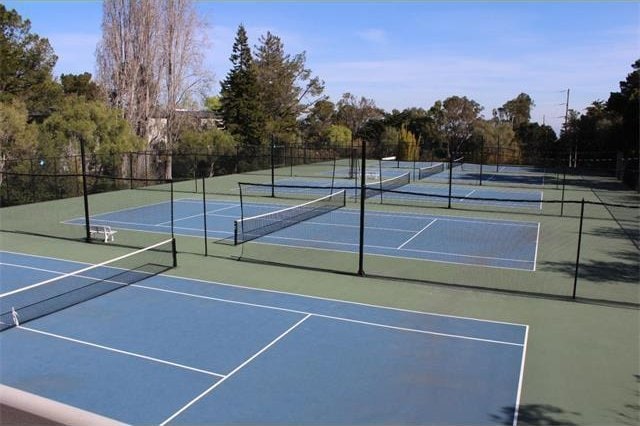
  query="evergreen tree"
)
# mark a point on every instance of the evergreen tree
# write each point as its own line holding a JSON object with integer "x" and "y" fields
{"x": 26, "y": 65}
{"x": 239, "y": 96}
{"x": 287, "y": 88}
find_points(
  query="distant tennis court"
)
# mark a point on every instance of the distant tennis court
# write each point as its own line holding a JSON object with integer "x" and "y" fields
{"x": 466, "y": 241}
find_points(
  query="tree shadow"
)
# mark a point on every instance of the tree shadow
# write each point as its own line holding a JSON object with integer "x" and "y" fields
{"x": 535, "y": 415}
{"x": 630, "y": 413}
{"x": 599, "y": 271}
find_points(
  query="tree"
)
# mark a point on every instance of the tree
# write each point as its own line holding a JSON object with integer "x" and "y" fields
{"x": 213, "y": 103}
{"x": 389, "y": 141}
{"x": 626, "y": 105}
{"x": 339, "y": 136}
{"x": 316, "y": 124}
{"x": 459, "y": 115}
{"x": 287, "y": 88}
{"x": 516, "y": 111}
{"x": 80, "y": 85}
{"x": 128, "y": 59}
{"x": 17, "y": 137}
{"x": 26, "y": 65}
{"x": 241, "y": 109}
{"x": 499, "y": 140}
{"x": 537, "y": 143}
{"x": 149, "y": 57}
{"x": 408, "y": 149}
{"x": 105, "y": 134}
{"x": 182, "y": 55}
{"x": 354, "y": 113}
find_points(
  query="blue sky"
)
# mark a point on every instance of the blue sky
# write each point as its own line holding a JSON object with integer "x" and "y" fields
{"x": 406, "y": 54}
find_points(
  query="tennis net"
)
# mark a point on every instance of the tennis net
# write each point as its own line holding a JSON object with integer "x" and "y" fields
{"x": 46, "y": 297}
{"x": 424, "y": 172}
{"x": 247, "y": 229}
{"x": 376, "y": 188}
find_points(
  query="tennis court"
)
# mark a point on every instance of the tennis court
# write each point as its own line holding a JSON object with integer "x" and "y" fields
{"x": 169, "y": 350}
{"x": 467, "y": 241}
{"x": 419, "y": 193}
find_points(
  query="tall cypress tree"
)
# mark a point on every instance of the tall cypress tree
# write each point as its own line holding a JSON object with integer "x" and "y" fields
{"x": 239, "y": 96}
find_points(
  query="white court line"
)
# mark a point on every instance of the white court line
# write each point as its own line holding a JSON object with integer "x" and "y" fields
{"x": 418, "y": 233}
{"x": 473, "y": 256}
{"x": 238, "y": 368}
{"x": 9, "y": 293}
{"x": 262, "y": 290}
{"x": 295, "y": 311}
{"x": 195, "y": 215}
{"x": 535, "y": 255}
{"x": 521, "y": 376}
{"x": 119, "y": 222}
{"x": 119, "y": 351}
{"x": 418, "y": 216}
{"x": 451, "y": 262}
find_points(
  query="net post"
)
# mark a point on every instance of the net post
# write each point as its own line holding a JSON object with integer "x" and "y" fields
{"x": 235, "y": 223}
{"x": 204, "y": 217}
{"x": 174, "y": 252}
{"x": 362, "y": 204}
{"x": 575, "y": 276}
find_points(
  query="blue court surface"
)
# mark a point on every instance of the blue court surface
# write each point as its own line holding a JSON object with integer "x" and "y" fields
{"x": 467, "y": 241}
{"x": 170, "y": 350}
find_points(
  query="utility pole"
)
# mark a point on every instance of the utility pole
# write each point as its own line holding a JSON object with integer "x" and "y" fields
{"x": 566, "y": 111}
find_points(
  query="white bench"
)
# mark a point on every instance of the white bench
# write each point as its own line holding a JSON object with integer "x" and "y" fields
{"x": 102, "y": 231}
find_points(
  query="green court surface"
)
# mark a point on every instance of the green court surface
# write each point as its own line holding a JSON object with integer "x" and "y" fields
{"x": 581, "y": 365}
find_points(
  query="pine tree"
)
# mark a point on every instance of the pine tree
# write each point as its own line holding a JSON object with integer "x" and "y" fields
{"x": 239, "y": 96}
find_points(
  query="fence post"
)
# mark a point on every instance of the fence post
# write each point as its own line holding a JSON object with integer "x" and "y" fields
{"x": 575, "y": 277}
{"x": 564, "y": 179}
{"x": 85, "y": 192}
{"x": 450, "y": 178}
{"x": 204, "y": 211}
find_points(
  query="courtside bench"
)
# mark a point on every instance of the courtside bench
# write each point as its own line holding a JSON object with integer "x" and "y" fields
{"x": 103, "y": 232}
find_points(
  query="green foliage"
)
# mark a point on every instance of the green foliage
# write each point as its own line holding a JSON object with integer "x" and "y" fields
{"x": 611, "y": 126}
{"x": 26, "y": 65}
{"x": 408, "y": 149}
{"x": 80, "y": 85}
{"x": 316, "y": 125}
{"x": 339, "y": 136}
{"x": 389, "y": 142}
{"x": 287, "y": 88}
{"x": 105, "y": 133}
{"x": 516, "y": 111}
{"x": 17, "y": 136}
{"x": 536, "y": 142}
{"x": 498, "y": 137}
{"x": 204, "y": 153}
{"x": 239, "y": 96}
{"x": 213, "y": 103}
{"x": 459, "y": 116}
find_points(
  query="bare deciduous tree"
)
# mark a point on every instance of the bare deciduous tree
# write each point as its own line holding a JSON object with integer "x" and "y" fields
{"x": 150, "y": 60}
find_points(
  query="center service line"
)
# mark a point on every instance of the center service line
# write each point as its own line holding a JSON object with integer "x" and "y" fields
{"x": 418, "y": 233}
